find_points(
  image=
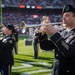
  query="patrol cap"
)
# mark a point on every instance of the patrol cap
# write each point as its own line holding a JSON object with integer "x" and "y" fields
{"x": 11, "y": 27}
{"x": 68, "y": 8}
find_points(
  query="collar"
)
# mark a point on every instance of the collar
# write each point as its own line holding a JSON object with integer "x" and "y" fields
{"x": 68, "y": 30}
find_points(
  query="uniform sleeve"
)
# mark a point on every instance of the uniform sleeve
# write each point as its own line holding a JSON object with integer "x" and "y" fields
{"x": 68, "y": 49}
{"x": 45, "y": 44}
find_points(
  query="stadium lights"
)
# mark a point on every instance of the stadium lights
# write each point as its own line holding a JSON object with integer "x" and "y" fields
{"x": 39, "y": 7}
{"x": 33, "y": 7}
{"x": 27, "y": 6}
{"x": 22, "y": 6}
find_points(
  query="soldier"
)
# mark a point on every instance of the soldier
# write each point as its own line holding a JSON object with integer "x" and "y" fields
{"x": 6, "y": 46}
{"x": 35, "y": 42}
{"x": 16, "y": 41}
{"x": 64, "y": 45}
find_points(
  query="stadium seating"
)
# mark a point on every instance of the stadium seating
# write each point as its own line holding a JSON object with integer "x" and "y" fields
{"x": 17, "y": 15}
{"x": 43, "y": 3}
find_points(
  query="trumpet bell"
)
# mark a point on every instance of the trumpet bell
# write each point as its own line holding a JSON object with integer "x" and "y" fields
{"x": 22, "y": 24}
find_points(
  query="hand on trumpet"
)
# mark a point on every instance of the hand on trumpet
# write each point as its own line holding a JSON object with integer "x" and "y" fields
{"x": 48, "y": 29}
{"x": 46, "y": 22}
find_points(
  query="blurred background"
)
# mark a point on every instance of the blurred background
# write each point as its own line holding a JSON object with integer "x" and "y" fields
{"x": 31, "y": 11}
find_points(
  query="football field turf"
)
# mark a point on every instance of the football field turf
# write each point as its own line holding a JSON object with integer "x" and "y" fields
{"x": 25, "y": 64}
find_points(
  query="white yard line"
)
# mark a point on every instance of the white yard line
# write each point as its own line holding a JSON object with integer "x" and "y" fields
{"x": 30, "y": 64}
{"x": 37, "y": 71}
{"x": 24, "y": 66}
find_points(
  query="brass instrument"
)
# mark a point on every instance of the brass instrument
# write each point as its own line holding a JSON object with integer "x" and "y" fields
{"x": 24, "y": 25}
{"x": 28, "y": 42}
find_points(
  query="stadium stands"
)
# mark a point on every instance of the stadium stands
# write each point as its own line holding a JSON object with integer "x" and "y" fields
{"x": 13, "y": 14}
{"x": 43, "y": 3}
{"x": 17, "y": 16}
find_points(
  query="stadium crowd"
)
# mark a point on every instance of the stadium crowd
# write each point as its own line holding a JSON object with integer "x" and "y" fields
{"x": 31, "y": 17}
{"x": 44, "y": 3}
{"x": 17, "y": 17}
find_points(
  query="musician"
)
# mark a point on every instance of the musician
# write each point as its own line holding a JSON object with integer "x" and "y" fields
{"x": 46, "y": 19}
{"x": 2, "y": 30}
{"x": 36, "y": 39}
{"x": 35, "y": 42}
{"x": 31, "y": 32}
{"x": 64, "y": 45}
{"x": 6, "y": 47}
{"x": 16, "y": 41}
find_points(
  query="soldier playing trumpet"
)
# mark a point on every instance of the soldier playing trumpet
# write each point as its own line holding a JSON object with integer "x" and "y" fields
{"x": 64, "y": 59}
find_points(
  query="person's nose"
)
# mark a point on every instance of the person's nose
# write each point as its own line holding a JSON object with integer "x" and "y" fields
{"x": 63, "y": 18}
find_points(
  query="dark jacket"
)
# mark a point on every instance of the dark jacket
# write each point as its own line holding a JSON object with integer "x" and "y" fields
{"x": 16, "y": 36}
{"x": 64, "y": 45}
{"x": 6, "y": 47}
{"x": 36, "y": 40}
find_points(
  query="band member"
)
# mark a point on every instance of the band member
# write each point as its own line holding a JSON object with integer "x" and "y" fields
{"x": 64, "y": 45}
{"x": 46, "y": 19}
{"x": 36, "y": 39}
{"x": 35, "y": 42}
{"x": 16, "y": 41}
{"x": 2, "y": 30}
{"x": 31, "y": 32}
{"x": 6, "y": 46}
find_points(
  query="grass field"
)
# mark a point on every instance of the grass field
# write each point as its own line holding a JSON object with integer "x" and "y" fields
{"x": 26, "y": 65}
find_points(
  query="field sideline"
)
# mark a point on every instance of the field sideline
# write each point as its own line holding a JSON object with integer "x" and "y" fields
{"x": 26, "y": 65}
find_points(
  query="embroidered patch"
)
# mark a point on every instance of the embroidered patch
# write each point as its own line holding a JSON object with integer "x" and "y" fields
{"x": 67, "y": 8}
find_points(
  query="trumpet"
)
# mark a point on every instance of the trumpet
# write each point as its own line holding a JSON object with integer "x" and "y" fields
{"x": 24, "y": 25}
